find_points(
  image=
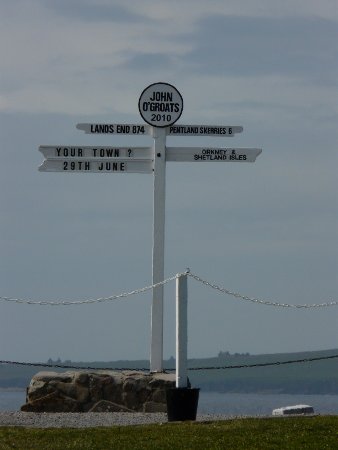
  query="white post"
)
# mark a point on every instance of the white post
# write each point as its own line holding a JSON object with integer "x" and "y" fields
{"x": 156, "y": 351}
{"x": 181, "y": 331}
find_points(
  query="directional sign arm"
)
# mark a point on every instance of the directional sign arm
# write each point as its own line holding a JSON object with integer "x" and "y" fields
{"x": 211, "y": 154}
{"x": 203, "y": 130}
{"x": 97, "y": 165}
{"x": 92, "y": 152}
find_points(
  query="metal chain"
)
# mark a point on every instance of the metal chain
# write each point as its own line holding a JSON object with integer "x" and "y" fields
{"x": 276, "y": 363}
{"x": 90, "y": 301}
{"x": 240, "y": 366}
{"x": 257, "y": 300}
{"x": 62, "y": 366}
{"x": 147, "y": 288}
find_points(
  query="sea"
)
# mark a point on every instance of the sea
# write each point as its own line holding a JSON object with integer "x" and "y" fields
{"x": 221, "y": 403}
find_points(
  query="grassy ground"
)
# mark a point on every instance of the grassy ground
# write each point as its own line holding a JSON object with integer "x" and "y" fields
{"x": 296, "y": 433}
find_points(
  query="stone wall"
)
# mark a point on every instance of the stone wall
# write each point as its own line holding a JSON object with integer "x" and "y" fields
{"x": 99, "y": 391}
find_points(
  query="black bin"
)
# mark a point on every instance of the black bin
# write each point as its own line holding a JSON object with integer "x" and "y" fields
{"x": 182, "y": 404}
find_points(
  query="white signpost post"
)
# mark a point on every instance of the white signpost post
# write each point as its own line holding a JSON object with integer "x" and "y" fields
{"x": 160, "y": 105}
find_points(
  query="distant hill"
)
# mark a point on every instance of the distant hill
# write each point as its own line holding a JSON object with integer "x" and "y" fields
{"x": 317, "y": 377}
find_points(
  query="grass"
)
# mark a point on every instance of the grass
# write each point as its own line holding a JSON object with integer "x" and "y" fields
{"x": 296, "y": 433}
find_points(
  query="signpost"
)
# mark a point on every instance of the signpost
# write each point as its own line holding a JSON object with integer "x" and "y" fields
{"x": 160, "y": 105}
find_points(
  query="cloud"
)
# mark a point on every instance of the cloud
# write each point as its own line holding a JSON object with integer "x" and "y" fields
{"x": 62, "y": 63}
{"x": 93, "y": 11}
{"x": 235, "y": 45}
{"x": 186, "y": 13}
{"x": 148, "y": 61}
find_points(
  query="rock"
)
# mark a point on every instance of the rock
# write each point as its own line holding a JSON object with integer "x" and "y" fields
{"x": 52, "y": 403}
{"x": 105, "y": 406}
{"x": 159, "y": 396}
{"x": 112, "y": 390}
{"x": 82, "y": 394}
{"x": 154, "y": 407}
{"x": 68, "y": 389}
{"x": 48, "y": 376}
{"x": 81, "y": 378}
{"x": 97, "y": 391}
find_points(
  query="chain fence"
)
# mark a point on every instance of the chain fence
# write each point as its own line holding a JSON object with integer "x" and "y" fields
{"x": 66, "y": 366}
{"x": 162, "y": 283}
{"x": 258, "y": 300}
{"x": 146, "y": 369}
{"x": 153, "y": 286}
{"x": 89, "y": 301}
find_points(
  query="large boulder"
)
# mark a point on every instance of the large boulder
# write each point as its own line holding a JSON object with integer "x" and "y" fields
{"x": 83, "y": 391}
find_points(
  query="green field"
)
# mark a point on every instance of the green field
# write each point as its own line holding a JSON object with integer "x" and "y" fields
{"x": 272, "y": 433}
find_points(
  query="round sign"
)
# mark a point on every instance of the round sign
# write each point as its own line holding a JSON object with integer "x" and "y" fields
{"x": 160, "y": 105}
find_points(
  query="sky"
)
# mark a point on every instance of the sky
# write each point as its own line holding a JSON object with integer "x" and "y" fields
{"x": 267, "y": 229}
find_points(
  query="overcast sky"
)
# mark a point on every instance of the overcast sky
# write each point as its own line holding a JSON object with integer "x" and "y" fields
{"x": 267, "y": 229}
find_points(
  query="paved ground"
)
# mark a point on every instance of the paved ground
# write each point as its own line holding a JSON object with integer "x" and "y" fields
{"x": 83, "y": 420}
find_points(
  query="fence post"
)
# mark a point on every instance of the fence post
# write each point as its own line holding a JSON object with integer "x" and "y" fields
{"x": 181, "y": 331}
{"x": 182, "y": 401}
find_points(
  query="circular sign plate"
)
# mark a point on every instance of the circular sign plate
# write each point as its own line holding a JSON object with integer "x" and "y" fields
{"x": 160, "y": 105}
